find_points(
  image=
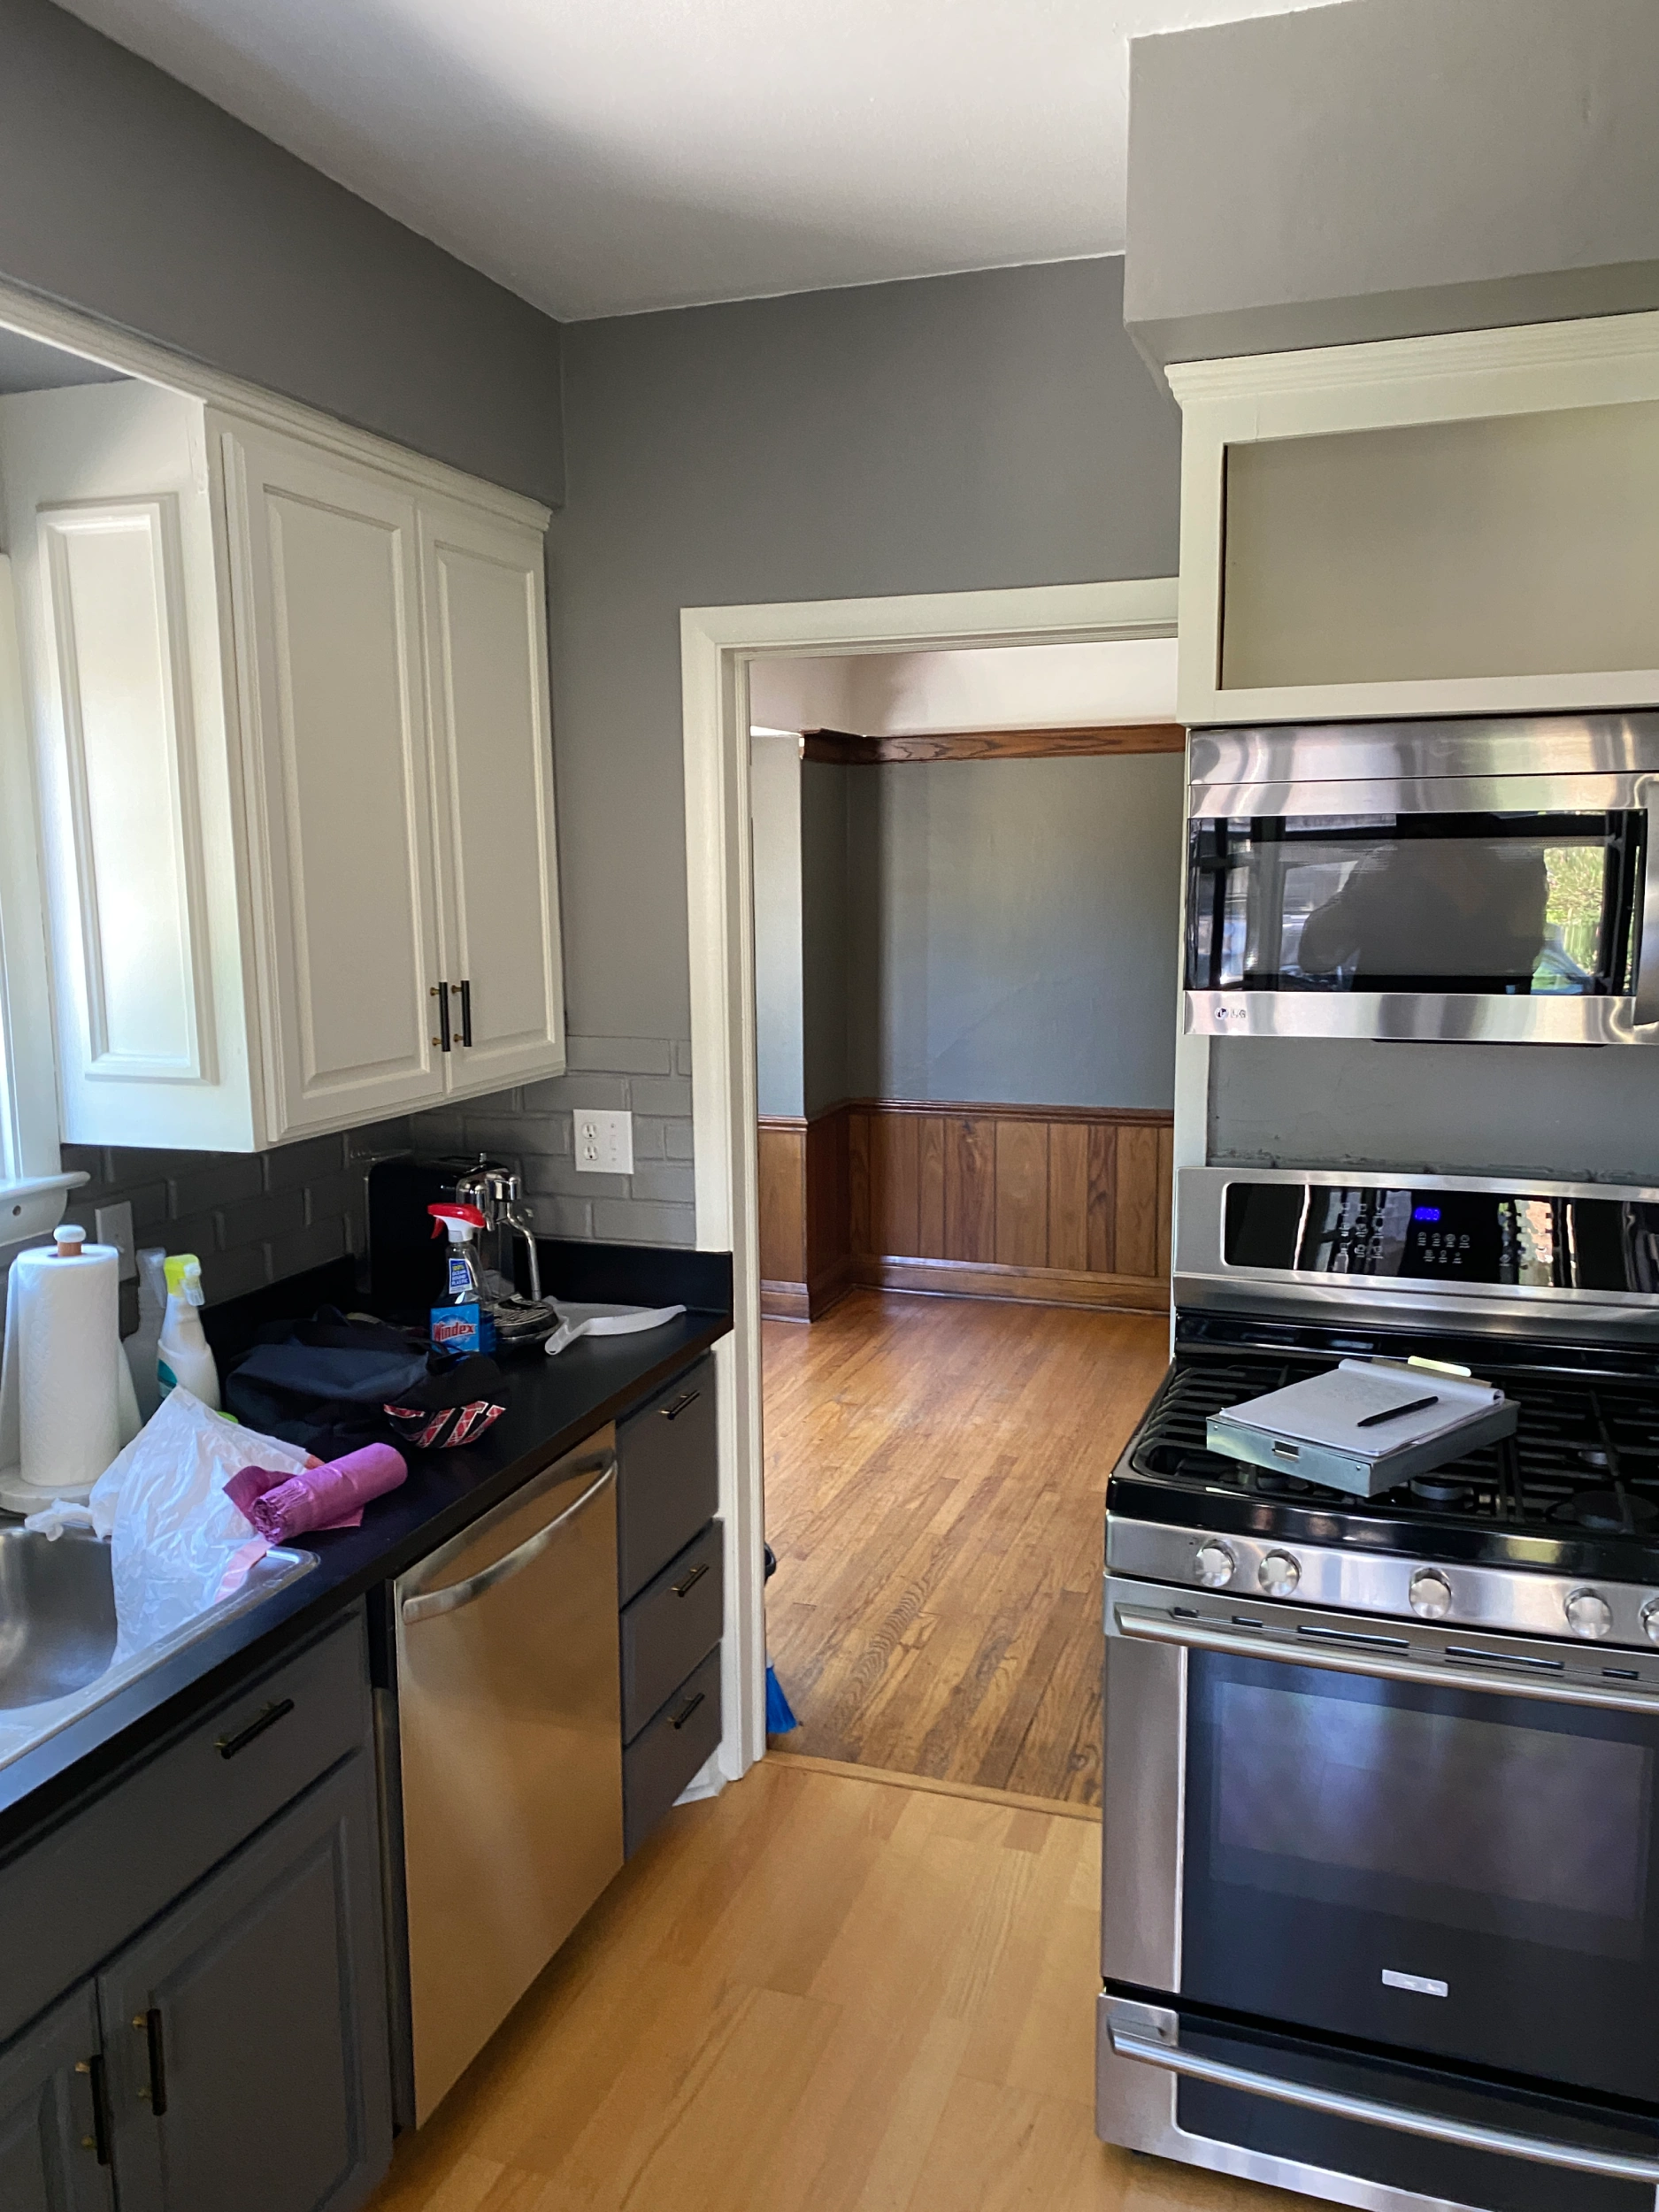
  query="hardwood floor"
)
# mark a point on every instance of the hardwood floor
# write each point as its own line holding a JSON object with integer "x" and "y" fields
{"x": 935, "y": 1481}
{"x": 813, "y": 1993}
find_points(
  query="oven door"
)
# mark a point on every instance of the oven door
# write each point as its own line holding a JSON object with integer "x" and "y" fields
{"x": 1362, "y": 1850}
{"x": 1496, "y": 909}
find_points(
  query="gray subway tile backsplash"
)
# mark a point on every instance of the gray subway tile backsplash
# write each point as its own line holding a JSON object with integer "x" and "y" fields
{"x": 254, "y": 1217}
{"x": 531, "y": 1129}
{"x": 251, "y": 1216}
{"x": 620, "y": 1055}
{"x": 663, "y": 1094}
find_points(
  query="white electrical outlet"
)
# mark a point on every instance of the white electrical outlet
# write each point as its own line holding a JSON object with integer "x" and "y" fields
{"x": 113, "y": 1224}
{"x": 604, "y": 1142}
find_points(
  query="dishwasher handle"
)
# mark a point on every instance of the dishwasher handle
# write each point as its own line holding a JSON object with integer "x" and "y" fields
{"x": 429, "y": 1604}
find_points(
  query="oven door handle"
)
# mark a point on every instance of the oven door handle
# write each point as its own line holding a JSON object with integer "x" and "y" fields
{"x": 1468, "y": 2134}
{"x": 1645, "y": 1009}
{"x": 1146, "y": 1625}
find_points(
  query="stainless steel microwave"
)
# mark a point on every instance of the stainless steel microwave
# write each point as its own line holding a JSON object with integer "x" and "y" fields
{"x": 1489, "y": 882}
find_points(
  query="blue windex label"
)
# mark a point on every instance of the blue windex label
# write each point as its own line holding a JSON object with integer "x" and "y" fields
{"x": 458, "y": 1328}
{"x": 459, "y": 1279}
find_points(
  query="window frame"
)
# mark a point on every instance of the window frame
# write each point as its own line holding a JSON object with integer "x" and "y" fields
{"x": 33, "y": 1182}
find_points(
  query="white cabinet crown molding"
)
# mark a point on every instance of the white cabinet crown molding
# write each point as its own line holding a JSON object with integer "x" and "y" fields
{"x": 56, "y": 325}
{"x": 1359, "y": 523}
{"x": 1626, "y": 346}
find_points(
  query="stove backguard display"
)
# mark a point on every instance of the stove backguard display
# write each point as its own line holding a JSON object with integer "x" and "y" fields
{"x": 1440, "y": 1235}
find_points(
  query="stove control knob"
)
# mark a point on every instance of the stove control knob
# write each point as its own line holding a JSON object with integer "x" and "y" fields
{"x": 1588, "y": 1613}
{"x": 1430, "y": 1594}
{"x": 1279, "y": 1574}
{"x": 1650, "y": 1619}
{"x": 1215, "y": 1563}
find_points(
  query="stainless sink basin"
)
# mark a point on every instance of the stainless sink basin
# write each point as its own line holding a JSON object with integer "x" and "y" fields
{"x": 57, "y": 1615}
{"x": 58, "y": 1628}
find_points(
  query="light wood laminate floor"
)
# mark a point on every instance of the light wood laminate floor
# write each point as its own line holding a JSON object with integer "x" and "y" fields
{"x": 816, "y": 1992}
{"x": 935, "y": 1486}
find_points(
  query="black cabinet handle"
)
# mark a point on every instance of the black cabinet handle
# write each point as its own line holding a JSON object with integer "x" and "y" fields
{"x": 465, "y": 989}
{"x": 149, "y": 2025}
{"x": 441, "y": 992}
{"x": 686, "y": 1582}
{"x": 227, "y": 1747}
{"x": 99, "y": 2139}
{"x": 689, "y": 1398}
{"x": 680, "y": 1719}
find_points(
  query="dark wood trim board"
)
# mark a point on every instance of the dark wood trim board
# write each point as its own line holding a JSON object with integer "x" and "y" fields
{"x": 845, "y": 749}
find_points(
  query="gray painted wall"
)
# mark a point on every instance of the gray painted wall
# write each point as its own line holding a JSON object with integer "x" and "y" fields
{"x": 1580, "y": 1112}
{"x": 125, "y": 195}
{"x": 960, "y": 433}
{"x": 775, "y": 840}
{"x": 1014, "y": 930}
{"x": 1388, "y": 168}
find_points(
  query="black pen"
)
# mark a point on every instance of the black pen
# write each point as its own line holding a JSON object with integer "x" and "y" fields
{"x": 1394, "y": 1413}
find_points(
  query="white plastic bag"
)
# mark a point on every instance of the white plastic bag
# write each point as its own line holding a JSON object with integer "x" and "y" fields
{"x": 177, "y": 1544}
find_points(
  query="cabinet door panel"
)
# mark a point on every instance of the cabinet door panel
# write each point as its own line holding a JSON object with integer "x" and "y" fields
{"x": 327, "y": 641}
{"x": 254, "y": 2015}
{"x": 486, "y": 683}
{"x": 49, "y": 2156}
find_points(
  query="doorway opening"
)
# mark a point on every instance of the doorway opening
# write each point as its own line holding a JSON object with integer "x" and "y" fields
{"x": 963, "y": 1217}
{"x": 966, "y": 869}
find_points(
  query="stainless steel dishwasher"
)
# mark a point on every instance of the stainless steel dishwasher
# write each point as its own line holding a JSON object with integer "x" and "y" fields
{"x": 509, "y": 1745}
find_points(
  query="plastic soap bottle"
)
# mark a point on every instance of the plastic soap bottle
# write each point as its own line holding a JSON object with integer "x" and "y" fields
{"x": 182, "y": 1354}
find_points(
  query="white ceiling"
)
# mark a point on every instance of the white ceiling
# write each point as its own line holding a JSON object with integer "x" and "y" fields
{"x": 600, "y": 156}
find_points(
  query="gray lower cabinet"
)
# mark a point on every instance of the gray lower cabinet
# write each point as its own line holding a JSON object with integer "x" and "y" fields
{"x": 671, "y": 1583}
{"x": 217, "y": 1918}
{"x": 245, "y": 2032}
{"x": 54, "y": 2141}
{"x": 668, "y": 1476}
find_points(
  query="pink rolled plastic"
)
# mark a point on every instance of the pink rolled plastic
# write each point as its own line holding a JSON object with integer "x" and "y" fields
{"x": 281, "y": 1505}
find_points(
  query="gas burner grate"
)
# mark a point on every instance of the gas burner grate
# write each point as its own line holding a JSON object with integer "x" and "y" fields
{"x": 1585, "y": 1456}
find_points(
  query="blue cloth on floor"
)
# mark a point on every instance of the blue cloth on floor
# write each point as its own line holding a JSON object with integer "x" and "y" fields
{"x": 779, "y": 1718}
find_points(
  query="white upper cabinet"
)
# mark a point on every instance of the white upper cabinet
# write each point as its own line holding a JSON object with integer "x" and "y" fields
{"x": 486, "y": 692}
{"x": 290, "y": 706}
{"x": 1456, "y": 524}
{"x": 325, "y": 593}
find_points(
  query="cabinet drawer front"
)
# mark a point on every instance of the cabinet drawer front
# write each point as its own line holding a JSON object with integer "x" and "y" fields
{"x": 668, "y": 1478}
{"x": 668, "y": 1751}
{"x": 675, "y": 1621}
{"x": 69, "y": 1898}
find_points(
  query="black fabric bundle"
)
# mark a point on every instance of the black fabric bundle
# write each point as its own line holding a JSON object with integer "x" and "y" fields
{"x": 334, "y": 1383}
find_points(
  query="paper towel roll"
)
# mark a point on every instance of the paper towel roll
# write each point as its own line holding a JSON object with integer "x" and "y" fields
{"x": 62, "y": 1402}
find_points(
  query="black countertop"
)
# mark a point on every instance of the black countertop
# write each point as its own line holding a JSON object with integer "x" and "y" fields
{"x": 552, "y": 1404}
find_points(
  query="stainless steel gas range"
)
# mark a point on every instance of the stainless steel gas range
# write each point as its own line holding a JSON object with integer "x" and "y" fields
{"x": 1382, "y": 1870}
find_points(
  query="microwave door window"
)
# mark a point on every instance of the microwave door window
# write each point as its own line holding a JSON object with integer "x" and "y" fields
{"x": 1489, "y": 904}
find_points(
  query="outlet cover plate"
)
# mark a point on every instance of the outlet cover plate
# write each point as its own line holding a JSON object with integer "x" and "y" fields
{"x": 603, "y": 1141}
{"x": 113, "y": 1224}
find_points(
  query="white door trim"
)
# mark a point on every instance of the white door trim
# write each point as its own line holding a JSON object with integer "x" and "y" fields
{"x": 716, "y": 646}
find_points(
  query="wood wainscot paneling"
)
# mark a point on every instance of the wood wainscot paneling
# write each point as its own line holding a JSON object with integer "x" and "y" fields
{"x": 1061, "y": 1205}
{"x": 805, "y": 1214}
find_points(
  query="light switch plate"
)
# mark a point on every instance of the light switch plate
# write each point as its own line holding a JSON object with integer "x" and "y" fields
{"x": 113, "y": 1224}
{"x": 603, "y": 1141}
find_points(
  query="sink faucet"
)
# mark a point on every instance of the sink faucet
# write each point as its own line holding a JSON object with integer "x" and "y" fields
{"x": 496, "y": 1193}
